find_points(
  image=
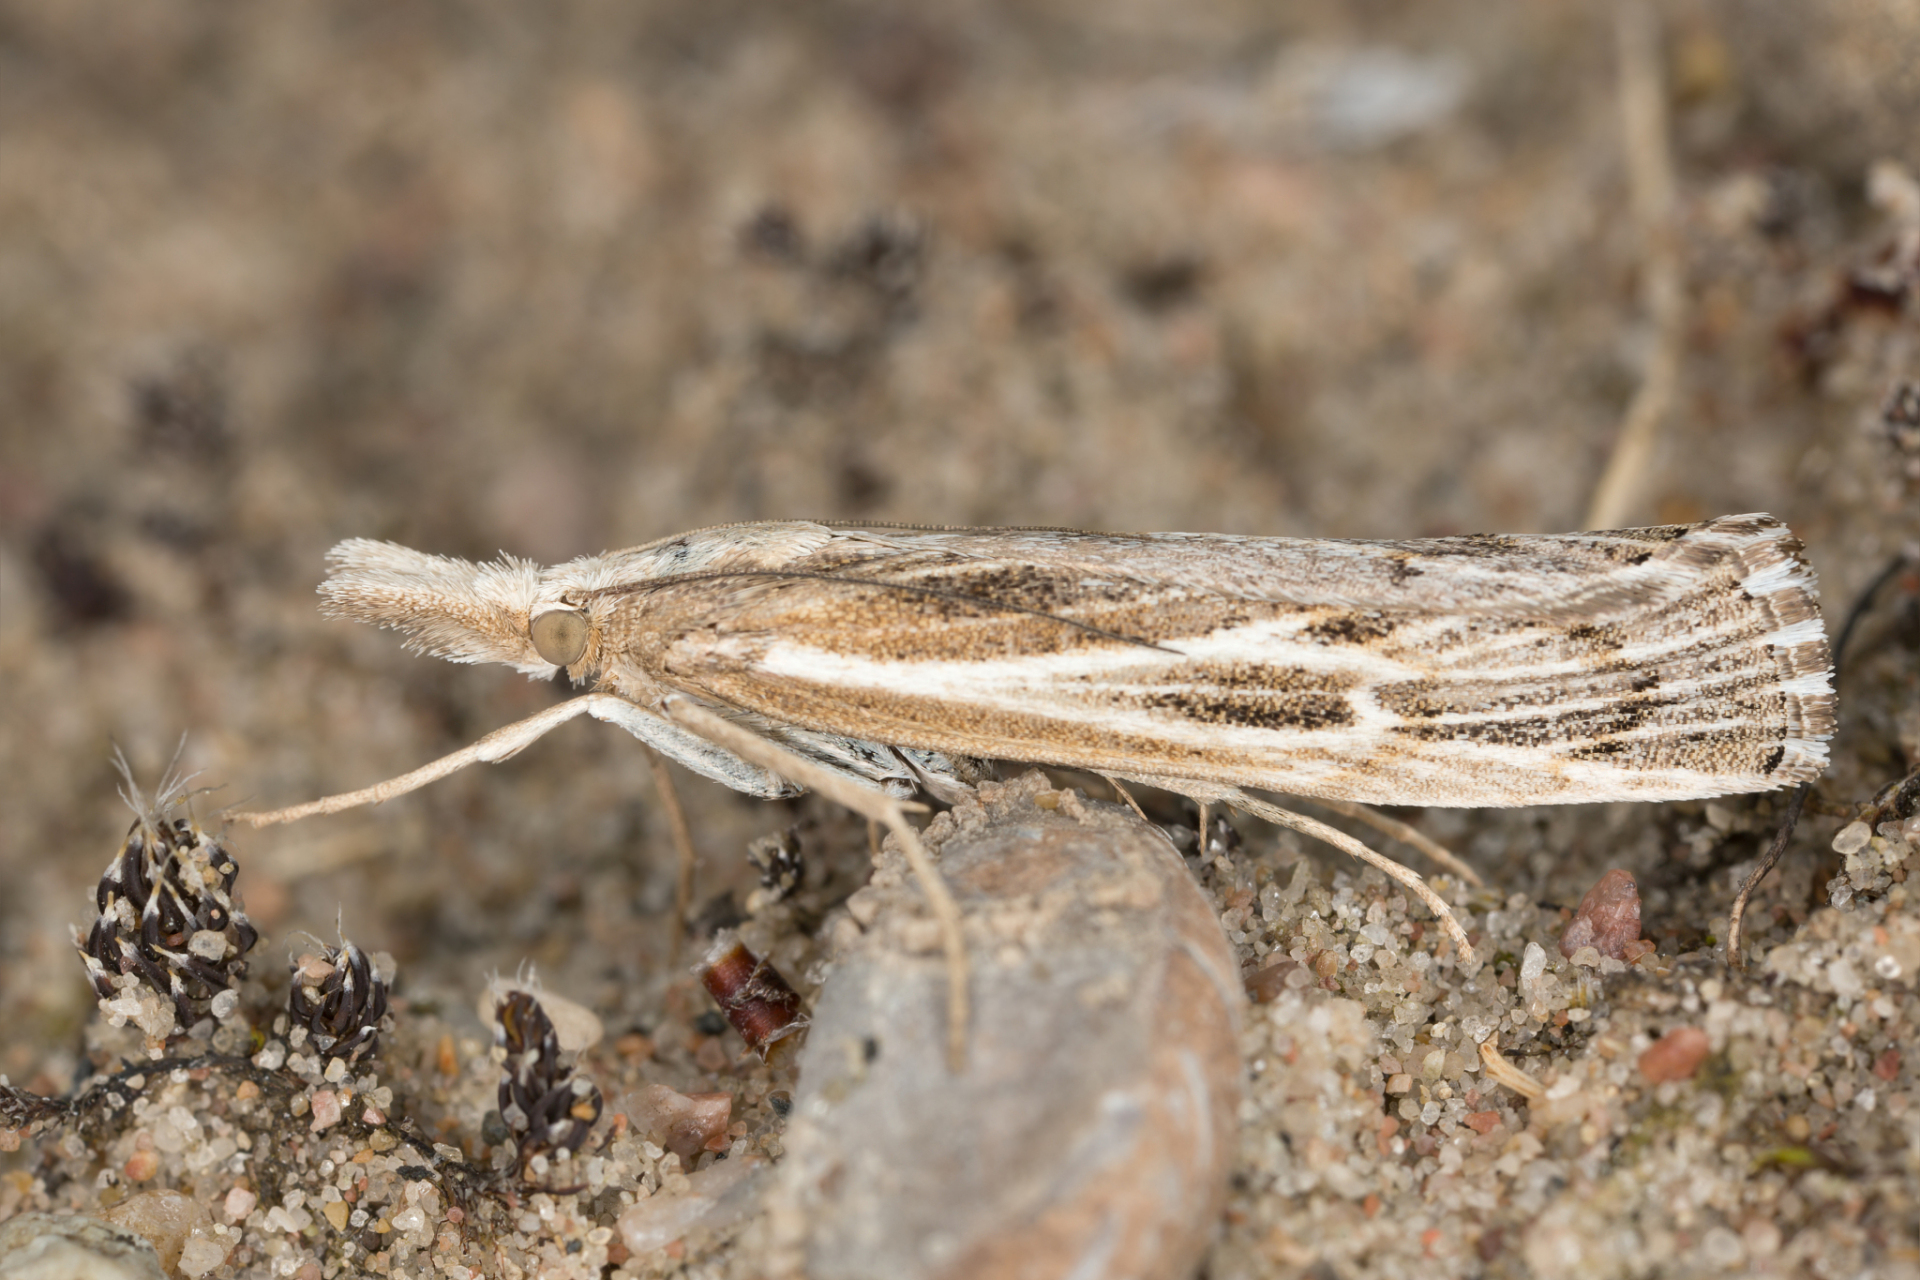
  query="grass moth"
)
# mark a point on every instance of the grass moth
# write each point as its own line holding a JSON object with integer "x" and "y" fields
{"x": 871, "y": 661}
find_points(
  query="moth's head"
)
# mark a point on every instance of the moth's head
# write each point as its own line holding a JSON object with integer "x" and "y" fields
{"x": 510, "y": 610}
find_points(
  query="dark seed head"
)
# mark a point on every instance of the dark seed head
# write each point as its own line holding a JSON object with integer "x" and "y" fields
{"x": 544, "y": 1106}
{"x": 167, "y": 910}
{"x": 340, "y": 1000}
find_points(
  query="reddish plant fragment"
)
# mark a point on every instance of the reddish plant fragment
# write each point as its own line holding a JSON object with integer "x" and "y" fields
{"x": 751, "y": 993}
{"x": 1267, "y": 984}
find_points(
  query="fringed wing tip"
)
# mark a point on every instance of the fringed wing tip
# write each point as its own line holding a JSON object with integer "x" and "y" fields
{"x": 1775, "y": 575}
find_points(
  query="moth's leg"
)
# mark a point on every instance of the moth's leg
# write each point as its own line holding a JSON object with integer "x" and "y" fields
{"x": 1398, "y": 830}
{"x": 1127, "y": 796}
{"x": 1347, "y": 844}
{"x": 942, "y": 785}
{"x": 706, "y": 758}
{"x": 873, "y": 762}
{"x": 498, "y": 745}
{"x": 875, "y": 806}
{"x": 683, "y": 847}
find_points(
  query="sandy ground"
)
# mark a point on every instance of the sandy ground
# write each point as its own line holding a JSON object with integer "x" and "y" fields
{"x": 563, "y": 279}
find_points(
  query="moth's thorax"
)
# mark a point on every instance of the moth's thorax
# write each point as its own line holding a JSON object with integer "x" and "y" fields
{"x": 608, "y": 591}
{"x": 704, "y": 551}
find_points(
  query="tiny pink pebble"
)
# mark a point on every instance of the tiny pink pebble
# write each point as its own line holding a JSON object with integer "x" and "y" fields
{"x": 1608, "y": 919}
{"x": 1675, "y": 1055}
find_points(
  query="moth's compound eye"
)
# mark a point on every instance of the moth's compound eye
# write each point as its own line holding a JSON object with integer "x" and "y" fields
{"x": 560, "y": 636}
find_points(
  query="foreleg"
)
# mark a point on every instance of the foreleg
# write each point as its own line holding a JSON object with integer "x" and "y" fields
{"x": 875, "y": 806}
{"x": 700, "y": 755}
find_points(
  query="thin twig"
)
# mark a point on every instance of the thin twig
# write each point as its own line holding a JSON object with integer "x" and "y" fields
{"x": 1735, "y": 960}
{"x": 1643, "y": 105}
{"x": 1501, "y": 1071}
{"x": 687, "y": 856}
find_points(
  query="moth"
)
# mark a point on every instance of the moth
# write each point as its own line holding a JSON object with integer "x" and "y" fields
{"x": 872, "y": 661}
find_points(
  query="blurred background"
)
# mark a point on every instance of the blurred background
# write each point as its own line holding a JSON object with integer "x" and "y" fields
{"x": 562, "y": 278}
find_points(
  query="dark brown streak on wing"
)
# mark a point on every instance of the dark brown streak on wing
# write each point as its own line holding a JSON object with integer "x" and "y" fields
{"x": 909, "y": 588}
{"x": 906, "y": 527}
{"x": 1723, "y": 751}
{"x": 1298, "y": 712}
{"x": 1574, "y": 729}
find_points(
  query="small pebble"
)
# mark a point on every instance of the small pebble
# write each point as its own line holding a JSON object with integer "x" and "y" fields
{"x": 43, "y": 1246}
{"x": 200, "y": 1255}
{"x": 165, "y": 1218}
{"x": 1484, "y": 1122}
{"x": 711, "y": 1055}
{"x": 1761, "y": 1238}
{"x": 1852, "y": 838}
{"x": 312, "y": 970}
{"x": 1266, "y": 985}
{"x": 326, "y": 1110}
{"x": 713, "y": 1197}
{"x": 239, "y": 1203}
{"x": 685, "y": 1124}
{"x": 1675, "y": 1056}
{"x": 1608, "y": 918}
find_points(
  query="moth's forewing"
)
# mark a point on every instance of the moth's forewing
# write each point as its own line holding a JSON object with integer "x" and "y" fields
{"x": 1644, "y": 664}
